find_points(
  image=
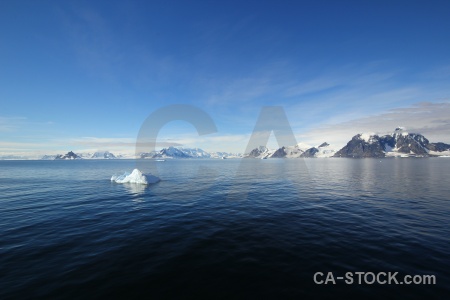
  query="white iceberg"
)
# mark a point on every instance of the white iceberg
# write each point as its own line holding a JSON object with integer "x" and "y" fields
{"x": 135, "y": 177}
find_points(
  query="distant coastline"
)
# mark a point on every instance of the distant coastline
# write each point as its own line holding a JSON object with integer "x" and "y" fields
{"x": 399, "y": 143}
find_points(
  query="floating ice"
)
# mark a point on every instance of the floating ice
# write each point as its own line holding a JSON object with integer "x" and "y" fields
{"x": 135, "y": 177}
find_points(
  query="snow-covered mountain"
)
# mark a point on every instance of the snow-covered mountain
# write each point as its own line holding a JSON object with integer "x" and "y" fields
{"x": 147, "y": 154}
{"x": 95, "y": 155}
{"x": 195, "y": 152}
{"x": 225, "y": 155}
{"x": 83, "y": 155}
{"x": 398, "y": 143}
{"x": 103, "y": 155}
{"x": 325, "y": 150}
{"x": 171, "y": 152}
{"x": 86, "y": 155}
{"x": 260, "y": 152}
{"x": 180, "y": 152}
{"x": 68, "y": 155}
{"x": 296, "y": 151}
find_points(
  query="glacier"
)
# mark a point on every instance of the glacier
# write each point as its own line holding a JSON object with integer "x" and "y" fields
{"x": 135, "y": 177}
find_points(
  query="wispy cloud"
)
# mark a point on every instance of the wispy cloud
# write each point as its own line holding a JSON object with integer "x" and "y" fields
{"x": 331, "y": 97}
{"x": 8, "y": 124}
{"x": 18, "y": 146}
{"x": 429, "y": 119}
{"x": 282, "y": 82}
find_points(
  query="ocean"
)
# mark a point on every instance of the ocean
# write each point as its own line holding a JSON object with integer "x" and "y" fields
{"x": 223, "y": 229}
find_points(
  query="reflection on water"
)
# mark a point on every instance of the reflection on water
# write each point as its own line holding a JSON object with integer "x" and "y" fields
{"x": 68, "y": 232}
{"x": 136, "y": 189}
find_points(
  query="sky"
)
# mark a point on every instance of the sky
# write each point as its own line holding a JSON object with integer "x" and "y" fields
{"x": 85, "y": 75}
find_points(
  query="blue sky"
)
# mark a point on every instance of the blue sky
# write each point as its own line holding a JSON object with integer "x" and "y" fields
{"x": 84, "y": 75}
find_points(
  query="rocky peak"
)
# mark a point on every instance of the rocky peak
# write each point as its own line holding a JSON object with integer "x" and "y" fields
{"x": 257, "y": 151}
{"x": 68, "y": 155}
{"x": 362, "y": 145}
{"x": 104, "y": 155}
{"x": 281, "y": 152}
{"x": 311, "y": 152}
{"x": 398, "y": 143}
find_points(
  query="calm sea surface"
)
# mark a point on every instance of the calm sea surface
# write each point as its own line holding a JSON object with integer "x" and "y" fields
{"x": 223, "y": 229}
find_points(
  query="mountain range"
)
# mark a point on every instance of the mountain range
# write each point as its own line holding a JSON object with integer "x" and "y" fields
{"x": 72, "y": 155}
{"x": 179, "y": 152}
{"x": 165, "y": 153}
{"x": 296, "y": 151}
{"x": 399, "y": 143}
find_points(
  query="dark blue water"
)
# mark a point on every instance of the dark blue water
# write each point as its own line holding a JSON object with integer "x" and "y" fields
{"x": 223, "y": 229}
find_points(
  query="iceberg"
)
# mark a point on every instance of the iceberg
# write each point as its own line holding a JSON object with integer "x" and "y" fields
{"x": 135, "y": 177}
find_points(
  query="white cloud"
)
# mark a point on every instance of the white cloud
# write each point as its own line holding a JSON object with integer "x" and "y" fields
{"x": 429, "y": 119}
{"x": 8, "y": 124}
